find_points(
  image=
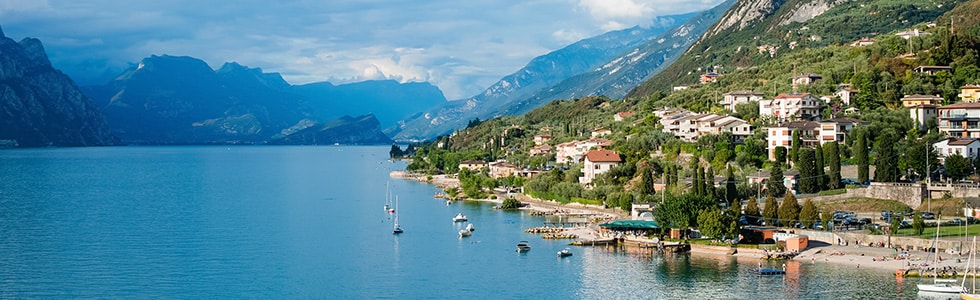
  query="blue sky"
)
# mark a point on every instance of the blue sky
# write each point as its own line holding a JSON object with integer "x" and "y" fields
{"x": 460, "y": 46}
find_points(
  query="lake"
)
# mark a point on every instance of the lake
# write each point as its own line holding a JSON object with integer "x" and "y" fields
{"x": 308, "y": 222}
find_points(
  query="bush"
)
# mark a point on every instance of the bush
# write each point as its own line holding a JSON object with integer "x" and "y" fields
{"x": 511, "y": 203}
{"x": 832, "y": 192}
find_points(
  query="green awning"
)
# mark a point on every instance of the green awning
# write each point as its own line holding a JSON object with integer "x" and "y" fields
{"x": 631, "y": 224}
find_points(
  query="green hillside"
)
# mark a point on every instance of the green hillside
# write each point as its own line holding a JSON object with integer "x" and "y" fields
{"x": 731, "y": 51}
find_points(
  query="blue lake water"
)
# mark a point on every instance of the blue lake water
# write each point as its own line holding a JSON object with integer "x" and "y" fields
{"x": 308, "y": 222}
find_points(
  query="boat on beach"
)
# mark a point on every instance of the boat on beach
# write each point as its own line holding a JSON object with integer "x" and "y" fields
{"x": 523, "y": 246}
{"x": 971, "y": 293}
{"x": 564, "y": 253}
{"x": 939, "y": 285}
{"x": 460, "y": 217}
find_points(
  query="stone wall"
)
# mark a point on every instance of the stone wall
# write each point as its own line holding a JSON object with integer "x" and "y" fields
{"x": 909, "y": 193}
{"x": 911, "y": 243}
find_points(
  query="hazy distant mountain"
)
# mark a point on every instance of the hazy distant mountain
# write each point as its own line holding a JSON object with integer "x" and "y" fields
{"x": 388, "y": 100}
{"x": 39, "y": 105}
{"x": 363, "y": 130}
{"x": 181, "y": 100}
{"x": 573, "y": 71}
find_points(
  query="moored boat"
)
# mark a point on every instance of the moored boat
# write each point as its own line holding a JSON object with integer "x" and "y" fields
{"x": 523, "y": 246}
{"x": 564, "y": 253}
{"x": 460, "y": 217}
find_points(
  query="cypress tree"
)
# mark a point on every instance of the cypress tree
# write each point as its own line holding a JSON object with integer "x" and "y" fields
{"x": 818, "y": 159}
{"x": 794, "y": 152}
{"x": 770, "y": 211}
{"x": 775, "y": 185}
{"x": 886, "y": 166}
{"x": 709, "y": 182}
{"x": 808, "y": 172}
{"x": 861, "y": 153}
{"x": 779, "y": 154}
{"x": 832, "y": 155}
{"x": 731, "y": 191}
{"x": 752, "y": 207}
{"x": 809, "y": 214}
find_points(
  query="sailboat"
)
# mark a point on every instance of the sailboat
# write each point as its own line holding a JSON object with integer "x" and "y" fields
{"x": 939, "y": 285}
{"x": 388, "y": 200}
{"x": 397, "y": 229}
{"x": 971, "y": 271}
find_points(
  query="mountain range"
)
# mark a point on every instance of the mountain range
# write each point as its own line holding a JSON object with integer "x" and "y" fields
{"x": 40, "y": 106}
{"x": 181, "y": 100}
{"x": 610, "y": 64}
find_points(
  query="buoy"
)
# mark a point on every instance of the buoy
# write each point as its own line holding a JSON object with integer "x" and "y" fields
{"x": 899, "y": 273}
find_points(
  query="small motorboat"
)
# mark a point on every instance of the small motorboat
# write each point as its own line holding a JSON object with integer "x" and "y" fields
{"x": 465, "y": 233}
{"x": 397, "y": 230}
{"x": 523, "y": 247}
{"x": 564, "y": 253}
{"x": 460, "y": 217}
{"x": 470, "y": 227}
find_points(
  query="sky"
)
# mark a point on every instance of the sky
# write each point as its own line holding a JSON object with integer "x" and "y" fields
{"x": 460, "y": 46}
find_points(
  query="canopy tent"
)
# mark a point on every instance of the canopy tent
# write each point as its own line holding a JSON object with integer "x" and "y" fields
{"x": 630, "y": 224}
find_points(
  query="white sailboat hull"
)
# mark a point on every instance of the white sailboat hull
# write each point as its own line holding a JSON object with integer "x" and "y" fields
{"x": 940, "y": 288}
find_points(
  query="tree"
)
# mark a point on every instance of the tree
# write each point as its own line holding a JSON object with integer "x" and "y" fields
{"x": 886, "y": 166}
{"x": 709, "y": 182}
{"x": 827, "y": 220}
{"x": 731, "y": 191}
{"x": 395, "y": 152}
{"x": 775, "y": 186}
{"x": 809, "y": 214}
{"x": 832, "y": 156}
{"x": 819, "y": 162}
{"x": 789, "y": 210}
{"x": 794, "y": 152}
{"x": 646, "y": 182}
{"x": 698, "y": 182}
{"x": 918, "y": 225}
{"x": 860, "y": 151}
{"x": 510, "y": 203}
{"x": 957, "y": 166}
{"x": 809, "y": 179}
{"x": 712, "y": 222}
{"x": 770, "y": 211}
{"x": 752, "y": 208}
{"x": 780, "y": 154}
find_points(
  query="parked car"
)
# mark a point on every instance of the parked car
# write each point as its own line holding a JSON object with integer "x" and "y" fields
{"x": 928, "y": 215}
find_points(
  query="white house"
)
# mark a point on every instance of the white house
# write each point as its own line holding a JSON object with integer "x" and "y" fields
{"x": 598, "y": 162}
{"x": 472, "y": 164}
{"x": 731, "y": 99}
{"x": 783, "y": 135}
{"x": 792, "y": 107}
{"x": 968, "y": 148}
{"x": 960, "y": 120}
{"x": 836, "y": 129}
{"x": 573, "y": 151}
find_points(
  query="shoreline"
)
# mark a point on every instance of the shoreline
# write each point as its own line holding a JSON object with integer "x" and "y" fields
{"x": 882, "y": 259}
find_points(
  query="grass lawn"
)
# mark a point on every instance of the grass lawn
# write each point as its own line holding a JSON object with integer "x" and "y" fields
{"x": 862, "y": 205}
{"x": 944, "y": 231}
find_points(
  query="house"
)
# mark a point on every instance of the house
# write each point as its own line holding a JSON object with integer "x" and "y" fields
{"x": 740, "y": 129}
{"x": 792, "y": 106}
{"x": 709, "y": 77}
{"x": 915, "y": 100}
{"x": 932, "y": 70}
{"x": 501, "y": 169}
{"x": 472, "y": 164}
{"x": 922, "y": 113}
{"x": 969, "y": 93}
{"x": 960, "y": 120}
{"x": 680, "y": 88}
{"x": 783, "y": 135}
{"x": 542, "y": 139}
{"x": 865, "y": 41}
{"x": 622, "y": 116}
{"x": 642, "y": 211}
{"x": 731, "y": 99}
{"x": 969, "y": 148}
{"x": 599, "y": 132}
{"x": 572, "y": 152}
{"x": 543, "y": 149}
{"x": 597, "y": 162}
{"x": 806, "y": 79}
{"x": 846, "y": 94}
{"x": 761, "y": 179}
{"x": 836, "y": 129}
{"x": 912, "y": 33}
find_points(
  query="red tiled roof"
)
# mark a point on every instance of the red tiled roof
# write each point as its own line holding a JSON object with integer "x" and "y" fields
{"x": 603, "y": 156}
